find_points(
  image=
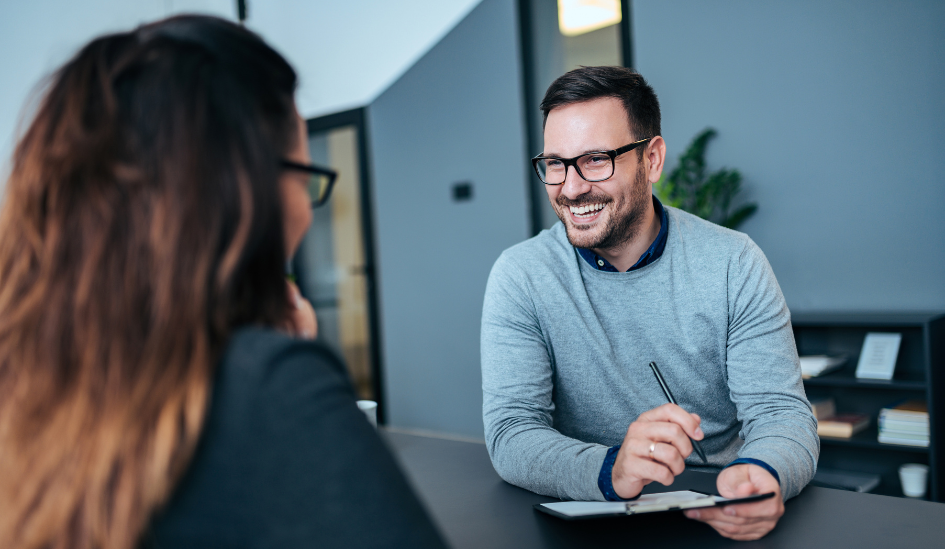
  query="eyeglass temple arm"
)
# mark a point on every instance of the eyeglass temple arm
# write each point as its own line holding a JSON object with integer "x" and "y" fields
{"x": 631, "y": 146}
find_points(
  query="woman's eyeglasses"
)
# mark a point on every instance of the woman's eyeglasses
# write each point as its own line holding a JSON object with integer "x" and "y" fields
{"x": 320, "y": 180}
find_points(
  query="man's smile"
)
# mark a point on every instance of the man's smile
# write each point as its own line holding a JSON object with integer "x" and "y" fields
{"x": 585, "y": 214}
{"x": 587, "y": 210}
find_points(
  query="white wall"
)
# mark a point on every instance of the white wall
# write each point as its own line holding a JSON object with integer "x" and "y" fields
{"x": 346, "y": 52}
{"x": 834, "y": 112}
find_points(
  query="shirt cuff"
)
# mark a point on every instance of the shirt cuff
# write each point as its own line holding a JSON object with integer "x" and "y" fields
{"x": 605, "y": 479}
{"x": 752, "y": 461}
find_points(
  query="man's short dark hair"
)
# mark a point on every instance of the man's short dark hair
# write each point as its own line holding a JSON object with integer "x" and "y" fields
{"x": 587, "y": 83}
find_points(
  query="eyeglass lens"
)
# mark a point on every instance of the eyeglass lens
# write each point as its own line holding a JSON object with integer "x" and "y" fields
{"x": 318, "y": 188}
{"x": 592, "y": 167}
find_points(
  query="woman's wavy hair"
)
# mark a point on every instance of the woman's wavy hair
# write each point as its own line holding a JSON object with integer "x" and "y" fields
{"x": 142, "y": 224}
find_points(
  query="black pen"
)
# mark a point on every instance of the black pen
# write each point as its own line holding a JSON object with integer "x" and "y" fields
{"x": 669, "y": 397}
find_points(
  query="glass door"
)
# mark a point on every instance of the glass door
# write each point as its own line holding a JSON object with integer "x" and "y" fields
{"x": 333, "y": 264}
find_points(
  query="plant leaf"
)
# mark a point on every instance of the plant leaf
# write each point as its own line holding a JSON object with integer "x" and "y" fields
{"x": 708, "y": 196}
{"x": 740, "y": 215}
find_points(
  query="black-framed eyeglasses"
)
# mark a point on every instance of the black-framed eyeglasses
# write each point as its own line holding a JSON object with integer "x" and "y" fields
{"x": 592, "y": 166}
{"x": 320, "y": 180}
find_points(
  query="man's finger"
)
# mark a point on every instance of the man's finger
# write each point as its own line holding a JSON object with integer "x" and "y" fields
{"x": 764, "y": 509}
{"x": 674, "y": 414}
{"x": 662, "y": 431}
{"x": 753, "y": 530}
{"x": 745, "y": 489}
{"x": 707, "y": 514}
{"x": 730, "y": 480}
{"x": 668, "y": 455}
{"x": 738, "y": 528}
{"x": 649, "y": 470}
{"x": 759, "y": 510}
{"x": 742, "y": 533}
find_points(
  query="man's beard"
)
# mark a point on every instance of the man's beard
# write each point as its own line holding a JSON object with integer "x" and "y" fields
{"x": 618, "y": 231}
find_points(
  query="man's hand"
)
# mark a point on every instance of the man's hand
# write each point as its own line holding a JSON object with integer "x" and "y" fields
{"x": 654, "y": 449}
{"x": 744, "y": 521}
{"x": 301, "y": 322}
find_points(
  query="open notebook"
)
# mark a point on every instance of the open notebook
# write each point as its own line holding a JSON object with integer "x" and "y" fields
{"x": 647, "y": 503}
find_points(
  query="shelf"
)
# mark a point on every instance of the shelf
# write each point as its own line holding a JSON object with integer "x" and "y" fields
{"x": 845, "y": 379}
{"x": 868, "y": 439}
{"x": 919, "y": 374}
{"x": 863, "y": 320}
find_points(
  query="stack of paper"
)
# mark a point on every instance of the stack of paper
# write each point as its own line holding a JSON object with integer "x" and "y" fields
{"x": 814, "y": 365}
{"x": 906, "y": 423}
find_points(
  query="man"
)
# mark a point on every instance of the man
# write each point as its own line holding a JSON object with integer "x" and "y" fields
{"x": 573, "y": 317}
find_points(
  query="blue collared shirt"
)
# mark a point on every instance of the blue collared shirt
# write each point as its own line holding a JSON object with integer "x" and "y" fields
{"x": 654, "y": 252}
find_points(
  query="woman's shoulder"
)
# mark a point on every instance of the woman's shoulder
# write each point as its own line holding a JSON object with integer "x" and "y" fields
{"x": 257, "y": 348}
{"x": 265, "y": 359}
{"x": 286, "y": 457}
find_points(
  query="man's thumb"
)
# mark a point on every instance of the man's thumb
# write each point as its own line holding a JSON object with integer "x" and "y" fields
{"x": 744, "y": 489}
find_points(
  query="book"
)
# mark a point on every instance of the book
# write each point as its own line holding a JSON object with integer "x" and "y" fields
{"x": 905, "y": 423}
{"x": 823, "y": 408}
{"x": 905, "y": 440}
{"x": 915, "y": 410}
{"x": 815, "y": 365}
{"x": 842, "y": 425}
{"x": 895, "y": 425}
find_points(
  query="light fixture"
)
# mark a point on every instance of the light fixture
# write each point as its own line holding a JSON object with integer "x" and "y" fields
{"x": 581, "y": 16}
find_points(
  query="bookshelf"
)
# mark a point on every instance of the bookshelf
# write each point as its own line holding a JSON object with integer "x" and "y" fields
{"x": 920, "y": 373}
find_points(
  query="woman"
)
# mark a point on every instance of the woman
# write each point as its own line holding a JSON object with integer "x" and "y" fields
{"x": 146, "y": 396}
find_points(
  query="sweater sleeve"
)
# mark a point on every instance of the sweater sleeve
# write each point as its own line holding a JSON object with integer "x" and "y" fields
{"x": 517, "y": 386}
{"x": 764, "y": 375}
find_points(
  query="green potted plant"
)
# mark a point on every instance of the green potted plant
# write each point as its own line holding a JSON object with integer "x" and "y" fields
{"x": 710, "y": 196}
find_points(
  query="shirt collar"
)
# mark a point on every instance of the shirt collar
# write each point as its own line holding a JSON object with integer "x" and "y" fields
{"x": 654, "y": 252}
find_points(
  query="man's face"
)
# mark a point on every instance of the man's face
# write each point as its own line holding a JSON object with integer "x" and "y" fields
{"x": 608, "y": 213}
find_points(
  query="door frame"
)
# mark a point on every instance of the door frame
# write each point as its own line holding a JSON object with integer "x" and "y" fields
{"x": 358, "y": 118}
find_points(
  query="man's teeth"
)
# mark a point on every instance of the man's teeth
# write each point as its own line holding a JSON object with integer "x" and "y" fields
{"x": 587, "y": 210}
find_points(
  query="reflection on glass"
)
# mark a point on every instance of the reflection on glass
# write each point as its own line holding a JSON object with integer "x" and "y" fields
{"x": 330, "y": 263}
{"x": 576, "y": 17}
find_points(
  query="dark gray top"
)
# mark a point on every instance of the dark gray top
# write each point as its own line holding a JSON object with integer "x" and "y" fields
{"x": 286, "y": 459}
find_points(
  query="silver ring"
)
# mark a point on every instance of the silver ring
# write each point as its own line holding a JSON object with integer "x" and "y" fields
{"x": 652, "y": 448}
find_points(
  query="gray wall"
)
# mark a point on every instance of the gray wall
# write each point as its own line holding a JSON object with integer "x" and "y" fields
{"x": 834, "y": 111}
{"x": 454, "y": 116}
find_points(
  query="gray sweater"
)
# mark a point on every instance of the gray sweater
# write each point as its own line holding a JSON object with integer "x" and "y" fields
{"x": 566, "y": 348}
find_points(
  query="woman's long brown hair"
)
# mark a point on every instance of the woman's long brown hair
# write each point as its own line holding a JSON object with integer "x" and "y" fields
{"x": 141, "y": 225}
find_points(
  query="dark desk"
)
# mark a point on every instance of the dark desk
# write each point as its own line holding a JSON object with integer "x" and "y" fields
{"x": 475, "y": 508}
